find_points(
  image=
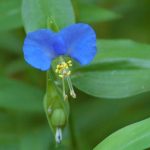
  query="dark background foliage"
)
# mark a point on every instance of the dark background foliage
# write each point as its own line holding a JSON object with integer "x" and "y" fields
{"x": 115, "y": 92}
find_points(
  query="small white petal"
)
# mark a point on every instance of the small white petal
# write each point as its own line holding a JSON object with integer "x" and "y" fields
{"x": 58, "y": 135}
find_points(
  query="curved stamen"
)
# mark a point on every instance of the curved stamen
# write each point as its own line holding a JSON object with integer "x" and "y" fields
{"x": 72, "y": 93}
{"x": 63, "y": 70}
{"x": 64, "y": 91}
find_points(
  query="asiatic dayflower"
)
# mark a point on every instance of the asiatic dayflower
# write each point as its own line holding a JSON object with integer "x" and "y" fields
{"x": 78, "y": 41}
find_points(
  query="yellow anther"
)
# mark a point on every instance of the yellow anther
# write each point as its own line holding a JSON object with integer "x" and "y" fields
{"x": 69, "y": 62}
{"x": 61, "y": 76}
{"x": 65, "y": 65}
{"x": 56, "y": 70}
{"x": 57, "y": 66}
{"x": 60, "y": 66}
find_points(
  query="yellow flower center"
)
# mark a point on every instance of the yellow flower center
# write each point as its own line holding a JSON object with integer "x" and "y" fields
{"x": 63, "y": 69}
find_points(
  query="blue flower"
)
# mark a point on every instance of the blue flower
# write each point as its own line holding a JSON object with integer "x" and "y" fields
{"x": 77, "y": 41}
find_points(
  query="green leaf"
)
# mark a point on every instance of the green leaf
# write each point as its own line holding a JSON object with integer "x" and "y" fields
{"x": 135, "y": 136}
{"x": 107, "y": 115}
{"x": 15, "y": 95}
{"x": 12, "y": 41}
{"x": 36, "y": 13}
{"x": 117, "y": 71}
{"x": 10, "y": 14}
{"x": 93, "y": 13}
{"x": 122, "y": 49}
{"x": 38, "y": 138}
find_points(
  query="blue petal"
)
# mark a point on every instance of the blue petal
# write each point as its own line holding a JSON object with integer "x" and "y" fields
{"x": 41, "y": 46}
{"x": 80, "y": 40}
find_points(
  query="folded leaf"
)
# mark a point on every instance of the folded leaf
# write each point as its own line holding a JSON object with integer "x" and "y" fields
{"x": 135, "y": 136}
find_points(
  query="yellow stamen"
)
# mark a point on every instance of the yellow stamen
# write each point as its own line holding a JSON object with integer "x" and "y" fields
{"x": 63, "y": 71}
{"x": 69, "y": 62}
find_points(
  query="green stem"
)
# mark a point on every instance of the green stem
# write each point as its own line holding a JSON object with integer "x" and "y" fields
{"x": 51, "y": 24}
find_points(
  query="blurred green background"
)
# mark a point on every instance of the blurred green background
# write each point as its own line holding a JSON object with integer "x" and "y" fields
{"x": 23, "y": 124}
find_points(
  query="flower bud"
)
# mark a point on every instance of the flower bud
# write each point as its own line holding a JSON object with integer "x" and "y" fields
{"x": 58, "y": 117}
